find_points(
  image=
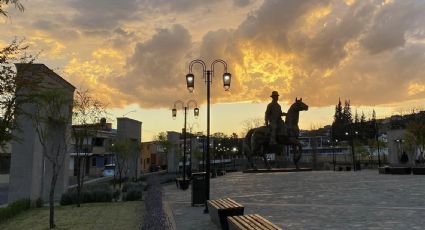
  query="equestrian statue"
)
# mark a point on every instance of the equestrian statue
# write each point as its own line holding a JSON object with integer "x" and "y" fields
{"x": 276, "y": 133}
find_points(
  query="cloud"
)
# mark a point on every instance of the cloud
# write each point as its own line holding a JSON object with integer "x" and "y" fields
{"x": 392, "y": 23}
{"x": 138, "y": 51}
{"x": 318, "y": 50}
{"x": 178, "y": 5}
{"x": 156, "y": 69}
{"x": 105, "y": 14}
{"x": 322, "y": 50}
{"x": 241, "y": 3}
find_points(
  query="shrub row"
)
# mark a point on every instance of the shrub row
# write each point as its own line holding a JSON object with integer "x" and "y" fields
{"x": 14, "y": 209}
{"x": 88, "y": 195}
{"x": 132, "y": 191}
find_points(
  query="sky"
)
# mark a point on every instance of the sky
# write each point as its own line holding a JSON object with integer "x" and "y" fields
{"x": 133, "y": 55}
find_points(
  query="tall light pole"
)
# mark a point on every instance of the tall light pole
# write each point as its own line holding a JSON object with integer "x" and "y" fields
{"x": 190, "y": 81}
{"x": 333, "y": 145}
{"x": 174, "y": 114}
{"x": 191, "y": 147}
{"x": 377, "y": 142}
{"x": 234, "y": 150}
{"x": 352, "y": 147}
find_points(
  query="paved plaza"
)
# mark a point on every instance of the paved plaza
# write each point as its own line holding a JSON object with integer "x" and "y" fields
{"x": 314, "y": 200}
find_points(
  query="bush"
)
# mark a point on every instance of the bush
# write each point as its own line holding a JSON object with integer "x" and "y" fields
{"x": 131, "y": 186}
{"x": 68, "y": 198}
{"x": 39, "y": 203}
{"x": 14, "y": 209}
{"x": 133, "y": 194}
{"x": 98, "y": 195}
{"x": 116, "y": 194}
{"x": 90, "y": 194}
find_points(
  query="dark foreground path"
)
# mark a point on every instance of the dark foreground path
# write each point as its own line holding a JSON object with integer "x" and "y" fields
{"x": 314, "y": 200}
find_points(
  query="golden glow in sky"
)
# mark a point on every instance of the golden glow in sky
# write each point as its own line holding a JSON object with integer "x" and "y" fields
{"x": 135, "y": 56}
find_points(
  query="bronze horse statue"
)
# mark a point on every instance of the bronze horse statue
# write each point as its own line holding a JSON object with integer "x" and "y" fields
{"x": 257, "y": 139}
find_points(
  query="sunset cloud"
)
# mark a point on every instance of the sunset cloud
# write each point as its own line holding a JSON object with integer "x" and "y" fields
{"x": 138, "y": 51}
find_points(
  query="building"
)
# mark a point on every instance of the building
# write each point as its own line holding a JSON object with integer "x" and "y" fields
{"x": 30, "y": 171}
{"x": 130, "y": 129}
{"x": 153, "y": 155}
{"x": 93, "y": 148}
{"x": 96, "y": 139}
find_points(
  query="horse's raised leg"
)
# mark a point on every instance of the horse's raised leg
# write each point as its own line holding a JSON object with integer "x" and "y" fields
{"x": 295, "y": 156}
{"x": 297, "y": 153}
{"x": 266, "y": 162}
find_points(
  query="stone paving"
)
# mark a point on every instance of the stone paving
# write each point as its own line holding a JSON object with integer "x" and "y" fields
{"x": 314, "y": 200}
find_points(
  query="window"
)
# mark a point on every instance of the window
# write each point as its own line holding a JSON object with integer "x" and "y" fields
{"x": 93, "y": 161}
{"x": 98, "y": 141}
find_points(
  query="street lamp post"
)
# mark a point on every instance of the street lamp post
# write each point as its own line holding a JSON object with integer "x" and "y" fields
{"x": 335, "y": 144}
{"x": 234, "y": 150}
{"x": 400, "y": 149}
{"x": 174, "y": 114}
{"x": 203, "y": 151}
{"x": 352, "y": 147}
{"x": 191, "y": 149}
{"x": 190, "y": 81}
{"x": 377, "y": 142}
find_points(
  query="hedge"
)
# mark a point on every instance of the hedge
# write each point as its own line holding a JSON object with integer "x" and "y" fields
{"x": 88, "y": 195}
{"x": 14, "y": 209}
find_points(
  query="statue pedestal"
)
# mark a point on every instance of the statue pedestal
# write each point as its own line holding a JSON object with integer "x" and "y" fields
{"x": 274, "y": 170}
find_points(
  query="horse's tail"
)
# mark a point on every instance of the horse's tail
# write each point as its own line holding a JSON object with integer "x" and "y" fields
{"x": 247, "y": 143}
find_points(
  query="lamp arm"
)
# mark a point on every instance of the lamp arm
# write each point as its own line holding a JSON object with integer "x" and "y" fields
{"x": 198, "y": 61}
{"x": 218, "y": 61}
{"x": 193, "y": 102}
{"x": 178, "y": 102}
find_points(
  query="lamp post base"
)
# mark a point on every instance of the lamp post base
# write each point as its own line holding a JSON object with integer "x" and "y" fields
{"x": 184, "y": 184}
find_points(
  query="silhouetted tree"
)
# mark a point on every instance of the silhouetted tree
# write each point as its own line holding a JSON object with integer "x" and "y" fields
{"x": 356, "y": 118}
{"x": 338, "y": 123}
{"x": 9, "y": 106}
{"x": 52, "y": 120}
{"x": 347, "y": 117}
{"x": 87, "y": 110}
{"x": 10, "y": 84}
{"x": 15, "y": 3}
{"x": 122, "y": 150}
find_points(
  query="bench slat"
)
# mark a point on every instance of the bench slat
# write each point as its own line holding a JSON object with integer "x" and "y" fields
{"x": 235, "y": 222}
{"x": 251, "y": 222}
{"x": 225, "y": 204}
{"x": 216, "y": 204}
{"x": 234, "y": 202}
{"x": 244, "y": 223}
{"x": 264, "y": 220}
{"x": 228, "y": 204}
{"x": 259, "y": 224}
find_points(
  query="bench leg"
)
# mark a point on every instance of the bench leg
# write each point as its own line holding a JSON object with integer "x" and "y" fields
{"x": 223, "y": 214}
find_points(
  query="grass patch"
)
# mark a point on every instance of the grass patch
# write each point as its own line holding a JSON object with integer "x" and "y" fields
{"x": 97, "y": 216}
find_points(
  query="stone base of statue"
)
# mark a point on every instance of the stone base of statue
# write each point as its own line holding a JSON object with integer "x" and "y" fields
{"x": 275, "y": 170}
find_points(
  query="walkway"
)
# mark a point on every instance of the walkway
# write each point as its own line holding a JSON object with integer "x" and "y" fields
{"x": 314, "y": 200}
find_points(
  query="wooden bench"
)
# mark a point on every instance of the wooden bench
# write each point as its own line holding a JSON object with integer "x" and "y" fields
{"x": 250, "y": 222}
{"x": 222, "y": 208}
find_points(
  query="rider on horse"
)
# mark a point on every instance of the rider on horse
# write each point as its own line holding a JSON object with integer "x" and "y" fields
{"x": 273, "y": 117}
